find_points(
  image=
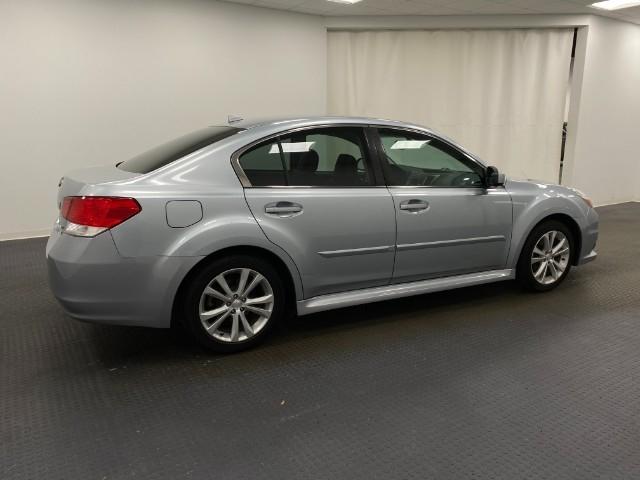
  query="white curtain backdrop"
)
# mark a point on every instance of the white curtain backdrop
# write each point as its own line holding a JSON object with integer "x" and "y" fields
{"x": 499, "y": 93}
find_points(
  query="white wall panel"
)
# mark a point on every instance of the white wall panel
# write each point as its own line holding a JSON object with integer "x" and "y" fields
{"x": 603, "y": 158}
{"x": 88, "y": 82}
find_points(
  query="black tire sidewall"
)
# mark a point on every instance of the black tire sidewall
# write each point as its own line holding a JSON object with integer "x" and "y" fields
{"x": 193, "y": 291}
{"x": 524, "y": 273}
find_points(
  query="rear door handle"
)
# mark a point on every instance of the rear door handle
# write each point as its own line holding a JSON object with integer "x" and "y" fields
{"x": 283, "y": 208}
{"x": 414, "y": 205}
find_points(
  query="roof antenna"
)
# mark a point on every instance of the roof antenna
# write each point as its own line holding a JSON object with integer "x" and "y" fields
{"x": 234, "y": 119}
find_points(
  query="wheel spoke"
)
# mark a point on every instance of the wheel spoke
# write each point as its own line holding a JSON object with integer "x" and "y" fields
{"x": 204, "y": 316}
{"x": 541, "y": 272}
{"x": 244, "y": 275}
{"x": 216, "y": 294}
{"x": 559, "y": 246}
{"x": 554, "y": 272}
{"x": 223, "y": 283}
{"x": 552, "y": 239}
{"x": 259, "y": 311}
{"x": 215, "y": 325}
{"x": 245, "y": 325}
{"x": 546, "y": 242}
{"x": 561, "y": 252}
{"x": 538, "y": 252}
{"x": 259, "y": 300}
{"x": 254, "y": 283}
{"x": 537, "y": 259}
{"x": 234, "y": 327}
{"x": 558, "y": 266}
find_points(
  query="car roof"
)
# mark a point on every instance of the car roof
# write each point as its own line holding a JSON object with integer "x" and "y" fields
{"x": 260, "y": 127}
{"x": 300, "y": 121}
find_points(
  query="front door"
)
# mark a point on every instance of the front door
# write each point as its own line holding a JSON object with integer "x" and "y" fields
{"x": 314, "y": 194}
{"x": 448, "y": 223}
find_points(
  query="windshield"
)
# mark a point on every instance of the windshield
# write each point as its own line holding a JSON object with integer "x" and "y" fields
{"x": 173, "y": 150}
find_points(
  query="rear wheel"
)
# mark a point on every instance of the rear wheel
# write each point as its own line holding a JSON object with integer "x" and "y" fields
{"x": 545, "y": 260}
{"x": 232, "y": 303}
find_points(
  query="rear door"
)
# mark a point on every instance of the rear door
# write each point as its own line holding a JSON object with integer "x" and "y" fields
{"x": 314, "y": 193}
{"x": 448, "y": 222}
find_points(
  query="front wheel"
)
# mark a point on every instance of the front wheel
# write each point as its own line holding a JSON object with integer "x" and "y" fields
{"x": 545, "y": 260}
{"x": 232, "y": 303}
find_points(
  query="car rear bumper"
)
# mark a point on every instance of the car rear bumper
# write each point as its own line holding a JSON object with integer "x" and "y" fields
{"x": 94, "y": 283}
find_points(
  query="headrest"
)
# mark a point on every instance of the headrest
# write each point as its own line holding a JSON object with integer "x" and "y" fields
{"x": 346, "y": 164}
{"x": 306, "y": 162}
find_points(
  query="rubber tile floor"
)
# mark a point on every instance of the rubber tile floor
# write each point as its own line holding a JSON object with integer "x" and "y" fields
{"x": 484, "y": 382}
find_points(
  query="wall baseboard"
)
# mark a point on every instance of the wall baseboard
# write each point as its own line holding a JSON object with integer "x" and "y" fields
{"x": 615, "y": 203}
{"x": 24, "y": 235}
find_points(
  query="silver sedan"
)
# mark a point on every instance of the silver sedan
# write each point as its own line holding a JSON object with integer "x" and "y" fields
{"x": 223, "y": 230}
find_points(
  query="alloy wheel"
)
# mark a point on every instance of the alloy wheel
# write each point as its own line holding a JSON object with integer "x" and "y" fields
{"x": 550, "y": 257}
{"x": 236, "y": 305}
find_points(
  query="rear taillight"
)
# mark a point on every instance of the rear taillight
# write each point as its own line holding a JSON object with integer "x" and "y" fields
{"x": 89, "y": 216}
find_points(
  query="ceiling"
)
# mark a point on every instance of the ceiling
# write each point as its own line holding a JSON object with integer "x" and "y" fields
{"x": 446, "y": 7}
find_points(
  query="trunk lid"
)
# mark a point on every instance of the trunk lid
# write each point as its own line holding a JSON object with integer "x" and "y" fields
{"x": 74, "y": 182}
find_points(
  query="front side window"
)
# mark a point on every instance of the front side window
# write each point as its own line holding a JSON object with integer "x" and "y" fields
{"x": 413, "y": 159}
{"x": 324, "y": 157}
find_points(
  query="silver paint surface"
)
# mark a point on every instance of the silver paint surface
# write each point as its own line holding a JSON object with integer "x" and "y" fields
{"x": 183, "y": 213}
{"x": 346, "y": 245}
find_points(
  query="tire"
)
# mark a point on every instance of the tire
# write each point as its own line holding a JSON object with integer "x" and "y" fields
{"x": 531, "y": 271}
{"x": 239, "y": 322}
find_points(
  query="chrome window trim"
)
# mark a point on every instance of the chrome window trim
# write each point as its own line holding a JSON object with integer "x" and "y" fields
{"x": 449, "y": 142}
{"x": 326, "y": 187}
{"x": 446, "y": 141}
{"x": 480, "y": 187}
{"x": 246, "y": 183}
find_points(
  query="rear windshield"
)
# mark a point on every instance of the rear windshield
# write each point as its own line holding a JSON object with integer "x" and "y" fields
{"x": 168, "y": 152}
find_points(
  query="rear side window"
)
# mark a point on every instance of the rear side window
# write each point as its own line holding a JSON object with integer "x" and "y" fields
{"x": 173, "y": 150}
{"x": 263, "y": 165}
{"x": 324, "y": 157}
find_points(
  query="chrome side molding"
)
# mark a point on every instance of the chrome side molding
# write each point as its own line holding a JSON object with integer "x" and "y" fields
{"x": 452, "y": 243}
{"x": 388, "y": 292}
{"x": 355, "y": 251}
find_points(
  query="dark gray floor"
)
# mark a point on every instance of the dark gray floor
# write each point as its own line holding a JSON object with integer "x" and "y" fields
{"x": 483, "y": 382}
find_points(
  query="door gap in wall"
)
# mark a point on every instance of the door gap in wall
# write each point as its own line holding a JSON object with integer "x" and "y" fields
{"x": 566, "y": 105}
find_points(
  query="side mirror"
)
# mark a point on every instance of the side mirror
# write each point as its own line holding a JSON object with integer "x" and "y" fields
{"x": 493, "y": 178}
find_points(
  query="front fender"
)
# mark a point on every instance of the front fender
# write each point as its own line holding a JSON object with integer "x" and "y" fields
{"x": 533, "y": 202}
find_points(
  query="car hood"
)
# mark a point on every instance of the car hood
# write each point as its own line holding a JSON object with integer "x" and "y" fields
{"x": 540, "y": 186}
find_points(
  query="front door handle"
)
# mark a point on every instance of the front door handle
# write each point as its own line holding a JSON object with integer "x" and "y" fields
{"x": 283, "y": 209}
{"x": 414, "y": 205}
